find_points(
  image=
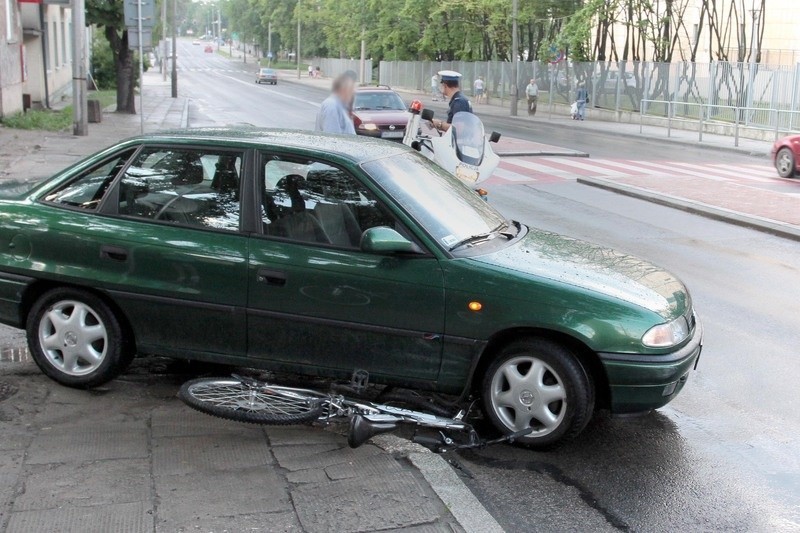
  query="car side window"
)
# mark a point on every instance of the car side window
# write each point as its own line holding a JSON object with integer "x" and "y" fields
{"x": 314, "y": 202}
{"x": 184, "y": 186}
{"x": 86, "y": 191}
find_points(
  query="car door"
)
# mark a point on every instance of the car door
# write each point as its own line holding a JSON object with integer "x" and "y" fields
{"x": 316, "y": 300}
{"x": 167, "y": 246}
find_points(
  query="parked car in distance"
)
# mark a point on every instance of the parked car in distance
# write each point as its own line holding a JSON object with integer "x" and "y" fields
{"x": 786, "y": 156}
{"x": 322, "y": 254}
{"x": 267, "y": 75}
{"x": 209, "y": 49}
{"x": 196, "y": 41}
{"x": 378, "y": 111}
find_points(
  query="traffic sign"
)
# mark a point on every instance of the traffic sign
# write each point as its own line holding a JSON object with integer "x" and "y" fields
{"x": 131, "y": 12}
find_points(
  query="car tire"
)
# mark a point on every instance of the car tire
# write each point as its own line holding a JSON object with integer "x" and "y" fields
{"x": 537, "y": 383}
{"x": 76, "y": 339}
{"x": 784, "y": 163}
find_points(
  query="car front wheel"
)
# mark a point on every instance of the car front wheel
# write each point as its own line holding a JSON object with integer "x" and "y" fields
{"x": 784, "y": 163}
{"x": 539, "y": 385}
{"x": 76, "y": 339}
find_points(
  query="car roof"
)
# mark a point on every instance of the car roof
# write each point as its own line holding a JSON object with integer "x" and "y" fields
{"x": 352, "y": 148}
{"x": 373, "y": 88}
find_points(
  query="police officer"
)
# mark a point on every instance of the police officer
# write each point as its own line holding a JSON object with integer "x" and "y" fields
{"x": 458, "y": 102}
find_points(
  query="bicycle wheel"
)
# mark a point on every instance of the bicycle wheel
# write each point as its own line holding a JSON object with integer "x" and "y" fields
{"x": 266, "y": 404}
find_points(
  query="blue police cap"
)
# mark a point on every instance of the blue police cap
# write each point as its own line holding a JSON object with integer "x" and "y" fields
{"x": 449, "y": 75}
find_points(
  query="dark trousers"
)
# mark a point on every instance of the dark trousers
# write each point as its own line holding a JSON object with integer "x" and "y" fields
{"x": 532, "y": 104}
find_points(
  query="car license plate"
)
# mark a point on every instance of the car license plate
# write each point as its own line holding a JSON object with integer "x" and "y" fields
{"x": 392, "y": 134}
{"x": 467, "y": 173}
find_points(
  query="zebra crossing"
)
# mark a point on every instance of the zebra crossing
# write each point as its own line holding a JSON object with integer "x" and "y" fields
{"x": 211, "y": 69}
{"x": 519, "y": 170}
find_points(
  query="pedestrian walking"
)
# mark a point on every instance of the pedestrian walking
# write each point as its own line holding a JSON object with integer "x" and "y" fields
{"x": 310, "y": 71}
{"x": 435, "y": 87}
{"x": 582, "y": 98}
{"x": 478, "y": 90}
{"x": 334, "y": 113}
{"x": 532, "y": 91}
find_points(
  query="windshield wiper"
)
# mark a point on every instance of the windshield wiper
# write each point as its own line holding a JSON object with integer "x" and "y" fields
{"x": 502, "y": 229}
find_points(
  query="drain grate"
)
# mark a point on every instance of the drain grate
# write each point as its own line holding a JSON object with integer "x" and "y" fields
{"x": 7, "y": 390}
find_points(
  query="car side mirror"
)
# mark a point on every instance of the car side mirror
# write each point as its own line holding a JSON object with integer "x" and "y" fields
{"x": 416, "y": 145}
{"x": 494, "y": 137}
{"x": 384, "y": 240}
{"x": 427, "y": 114}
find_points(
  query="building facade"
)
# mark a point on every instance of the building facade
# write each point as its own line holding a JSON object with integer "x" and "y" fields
{"x": 35, "y": 53}
{"x": 12, "y": 71}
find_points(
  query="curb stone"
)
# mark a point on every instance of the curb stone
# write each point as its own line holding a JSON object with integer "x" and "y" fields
{"x": 185, "y": 114}
{"x": 765, "y": 225}
{"x": 468, "y": 511}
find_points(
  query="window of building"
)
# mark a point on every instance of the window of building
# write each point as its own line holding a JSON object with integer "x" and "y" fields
{"x": 63, "y": 41}
{"x": 54, "y": 39}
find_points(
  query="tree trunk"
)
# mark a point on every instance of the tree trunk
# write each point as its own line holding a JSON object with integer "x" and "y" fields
{"x": 123, "y": 63}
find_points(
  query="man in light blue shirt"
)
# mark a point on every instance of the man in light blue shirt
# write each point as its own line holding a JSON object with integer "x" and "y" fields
{"x": 334, "y": 113}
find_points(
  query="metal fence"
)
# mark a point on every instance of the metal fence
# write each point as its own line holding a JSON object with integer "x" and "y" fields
{"x": 332, "y": 67}
{"x": 679, "y": 88}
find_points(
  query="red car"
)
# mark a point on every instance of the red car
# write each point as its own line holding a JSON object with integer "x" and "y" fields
{"x": 379, "y": 112}
{"x": 209, "y": 49}
{"x": 786, "y": 156}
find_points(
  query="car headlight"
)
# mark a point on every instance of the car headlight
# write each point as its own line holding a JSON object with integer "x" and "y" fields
{"x": 368, "y": 127}
{"x": 666, "y": 335}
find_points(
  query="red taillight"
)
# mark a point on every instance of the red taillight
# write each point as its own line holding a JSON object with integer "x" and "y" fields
{"x": 416, "y": 107}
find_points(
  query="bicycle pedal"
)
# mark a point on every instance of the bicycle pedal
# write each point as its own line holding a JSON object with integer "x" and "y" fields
{"x": 359, "y": 381}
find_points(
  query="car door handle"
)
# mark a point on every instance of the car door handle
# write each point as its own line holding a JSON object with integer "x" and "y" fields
{"x": 115, "y": 253}
{"x": 272, "y": 277}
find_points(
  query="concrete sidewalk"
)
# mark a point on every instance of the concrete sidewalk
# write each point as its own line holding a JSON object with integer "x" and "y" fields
{"x": 130, "y": 457}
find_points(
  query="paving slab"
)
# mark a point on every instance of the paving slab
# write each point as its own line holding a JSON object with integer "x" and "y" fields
{"x": 300, "y": 435}
{"x": 192, "y": 499}
{"x": 85, "y": 484}
{"x": 323, "y": 457}
{"x": 177, "y": 420}
{"x": 367, "y": 504}
{"x": 120, "y": 518}
{"x": 82, "y": 444}
{"x": 365, "y": 467}
{"x": 205, "y": 453}
{"x": 283, "y": 522}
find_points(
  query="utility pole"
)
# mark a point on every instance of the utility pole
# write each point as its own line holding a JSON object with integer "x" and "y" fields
{"x": 514, "y": 58}
{"x": 164, "y": 39}
{"x": 363, "y": 64}
{"x": 298, "y": 46}
{"x": 80, "y": 123}
{"x": 269, "y": 43}
{"x": 174, "y": 48}
{"x": 141, "y": 66}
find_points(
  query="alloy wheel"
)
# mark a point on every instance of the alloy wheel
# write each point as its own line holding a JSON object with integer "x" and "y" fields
{"x": 527, "y": 393}
{"x": 73, "y": 337}
{"x": 785, "y": 163}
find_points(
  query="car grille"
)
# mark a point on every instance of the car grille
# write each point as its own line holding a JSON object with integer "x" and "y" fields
{"x": 397, "y": 127}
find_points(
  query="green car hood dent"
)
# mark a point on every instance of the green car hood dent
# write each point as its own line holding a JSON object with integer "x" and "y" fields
{"x": 594, "y": 268}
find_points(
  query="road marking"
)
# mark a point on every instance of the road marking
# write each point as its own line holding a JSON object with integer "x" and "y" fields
{"x": 276, "y": 93}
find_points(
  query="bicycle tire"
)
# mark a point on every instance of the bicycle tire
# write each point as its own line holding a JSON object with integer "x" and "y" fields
{"x": 229, "y": 398}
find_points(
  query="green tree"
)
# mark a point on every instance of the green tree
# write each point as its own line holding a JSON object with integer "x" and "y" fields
{"x": 108, "y": 16}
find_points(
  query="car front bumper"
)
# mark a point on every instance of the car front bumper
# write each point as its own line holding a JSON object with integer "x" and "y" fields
{"x": 641, "y": 383}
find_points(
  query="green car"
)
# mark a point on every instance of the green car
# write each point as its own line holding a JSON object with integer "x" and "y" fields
{"x": 323, "y": 255}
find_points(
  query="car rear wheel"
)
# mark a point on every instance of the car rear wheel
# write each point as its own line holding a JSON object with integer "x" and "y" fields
{"x": 76, "y": 339}
{"x": 784, "y": 163}
{"x": 541, "y": 385}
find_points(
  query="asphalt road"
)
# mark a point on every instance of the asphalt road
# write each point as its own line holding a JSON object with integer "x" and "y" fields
{"x": 726, "y": 453}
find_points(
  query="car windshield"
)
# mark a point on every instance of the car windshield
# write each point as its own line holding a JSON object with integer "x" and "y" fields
{"x": 266, "y": 71}
{"x": 450, "y": 211}
{"x": 468, "y": 136}
{"x": 378, "y": 100}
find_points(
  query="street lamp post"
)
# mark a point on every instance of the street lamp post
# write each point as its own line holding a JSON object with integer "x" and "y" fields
{"x": 174, "y": 48}
{"x": 514, "y": 59}
{"x": 753, "y": 53}
{"x": 80, "y": 121}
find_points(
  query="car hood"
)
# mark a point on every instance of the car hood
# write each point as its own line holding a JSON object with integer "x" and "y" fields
{"x": 387, "y": 116}
{"x": 542, "y": 254}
